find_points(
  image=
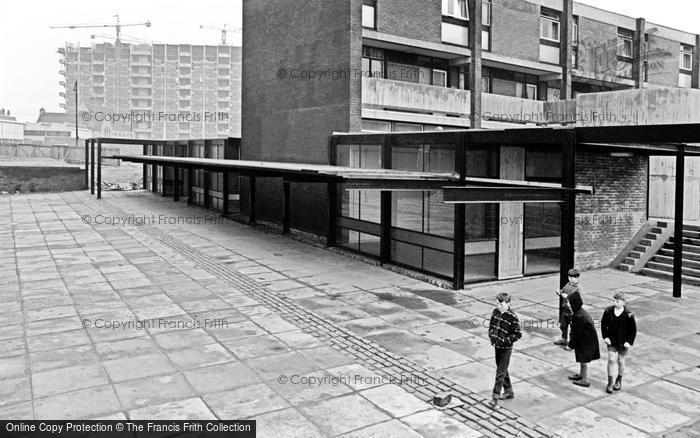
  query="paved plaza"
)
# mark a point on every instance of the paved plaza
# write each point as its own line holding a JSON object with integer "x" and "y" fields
{"x": 173, "y": 313}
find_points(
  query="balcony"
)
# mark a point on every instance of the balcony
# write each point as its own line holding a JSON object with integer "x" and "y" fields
{"x": 441, "y": 105}
{"x": 141, "y": 61}
{"x": 657, "y": 106}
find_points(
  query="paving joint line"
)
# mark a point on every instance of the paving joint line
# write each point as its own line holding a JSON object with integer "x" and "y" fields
{"x": 330, "y": 330}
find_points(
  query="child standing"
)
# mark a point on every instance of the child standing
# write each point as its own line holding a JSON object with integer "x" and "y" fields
{"x": 619, "y": 328}
{"x": 583, "y": 339}
{"x": 504, "y": 330}
{"x": 572, "y": 287}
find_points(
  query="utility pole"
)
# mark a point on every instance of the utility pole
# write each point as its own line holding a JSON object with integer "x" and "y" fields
{"x": 77, "y": 137}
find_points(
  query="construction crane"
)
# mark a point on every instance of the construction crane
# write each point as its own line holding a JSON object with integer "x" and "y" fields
{"x": 223, "y": 30}
{"x": 127, "y": 38}
{"x": 117, "y": 26}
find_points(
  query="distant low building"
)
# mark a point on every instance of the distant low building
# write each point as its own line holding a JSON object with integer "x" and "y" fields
{"x": 11, "y": 131}
{"x": 53, "y": 129}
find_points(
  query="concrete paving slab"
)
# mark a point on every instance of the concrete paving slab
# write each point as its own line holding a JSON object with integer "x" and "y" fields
{"x": 272, "y": 290}
{"x": 344, "y": 414}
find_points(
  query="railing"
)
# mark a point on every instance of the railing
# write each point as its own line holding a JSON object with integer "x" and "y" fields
{"x": 69, "y": 154}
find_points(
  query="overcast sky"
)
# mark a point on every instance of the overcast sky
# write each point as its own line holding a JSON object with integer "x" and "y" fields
{"x": 29, "y": 63}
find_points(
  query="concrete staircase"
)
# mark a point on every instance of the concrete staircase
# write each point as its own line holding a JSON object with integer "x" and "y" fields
{"x": 651, "y": 252}
{"x": 650, "y": 239}
{"x": 661, "y": 264}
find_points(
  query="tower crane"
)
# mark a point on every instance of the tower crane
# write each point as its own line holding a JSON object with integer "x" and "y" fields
{"x": 224, "y": 29}
{"x": 117, "y": 26}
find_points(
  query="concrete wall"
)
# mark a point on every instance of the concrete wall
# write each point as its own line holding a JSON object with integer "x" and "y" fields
{"x": 639, "y": 107}
{"x": 286, "y": 116}
{"x": 40, "y": 179}
{"x": 663, "y": 58}
{"x": 597, "y": 49}
{"x": 515, "y": 29}
{"x": 607, "y": 220}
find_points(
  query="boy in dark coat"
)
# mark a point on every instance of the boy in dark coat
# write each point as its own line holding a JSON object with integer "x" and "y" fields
{"x": 619, "y": 329}
{"x": 504, "y": 330}
{"x": 570, "y": 288}
{"x": 583, "y": 339}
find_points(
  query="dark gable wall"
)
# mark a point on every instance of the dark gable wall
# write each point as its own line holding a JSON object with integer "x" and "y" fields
{"x": 290, "y": 119}
{"x": 417, "y": 19}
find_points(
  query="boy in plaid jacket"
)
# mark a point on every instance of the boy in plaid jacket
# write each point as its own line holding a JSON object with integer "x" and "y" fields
{"x": 504, "y": 330}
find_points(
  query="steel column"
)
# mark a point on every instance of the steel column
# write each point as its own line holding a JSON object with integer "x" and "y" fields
{"x": 568, "y": 208}
{"x": 99, "y": 169}
{"x": 285, "y": 206}
{"x": 678, "y": 225}
{"x": 251, "y": 201}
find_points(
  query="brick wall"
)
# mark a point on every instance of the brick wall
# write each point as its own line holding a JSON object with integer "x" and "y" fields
{"x": 287, "y": 117}
{"x": 41, "y": 179}
{"x": 515, "y": 29}
{"x": 607, "y": 220}
{"x": 417, "y": 19}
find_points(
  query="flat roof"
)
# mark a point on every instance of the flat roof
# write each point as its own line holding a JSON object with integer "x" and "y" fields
{"x": 303, "y": 172}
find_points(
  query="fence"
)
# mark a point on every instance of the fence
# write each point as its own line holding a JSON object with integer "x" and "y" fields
{"x": 69, "y": 154}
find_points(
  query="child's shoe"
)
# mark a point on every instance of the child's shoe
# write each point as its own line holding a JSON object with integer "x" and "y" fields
{"x": 609, "y": 388}
{"x": 561, "y": 342}
{"x": 618, "y": 383}
{"x": 582, "y": 382}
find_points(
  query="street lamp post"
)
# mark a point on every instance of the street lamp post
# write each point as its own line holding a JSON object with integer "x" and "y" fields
{"x": 77, "y": 137}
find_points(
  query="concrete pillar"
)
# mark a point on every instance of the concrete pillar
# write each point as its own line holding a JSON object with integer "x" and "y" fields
{"x": 639, "y": 54}
{"x": 566, "y": 49}
{"x": 475, "y": 64}
{"x": 695, "y": 82}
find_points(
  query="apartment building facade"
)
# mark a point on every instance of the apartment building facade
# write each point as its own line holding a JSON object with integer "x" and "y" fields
{"x": 158, "y": 91}
{"x": 407, "y": 65}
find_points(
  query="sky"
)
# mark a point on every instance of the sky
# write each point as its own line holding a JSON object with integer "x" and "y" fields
{"x": 28, "y": 59}
{"x": 29, "y": 62}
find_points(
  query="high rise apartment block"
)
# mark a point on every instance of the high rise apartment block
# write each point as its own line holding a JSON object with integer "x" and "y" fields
{"x": 169, "y": 91}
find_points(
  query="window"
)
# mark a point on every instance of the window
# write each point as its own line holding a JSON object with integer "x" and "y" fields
{"x": 485, "y": 84}
{"x": 372, "y": 62}
{"x": 646, "y": 71}
{"x": 486, "y": 13}
{"x": 485, "y": 39}
{"x": 625, "y": 40}
{"x": 549, "y": 26}
{"x": 439, "y": 78}
{"x": 369, "y": 14}
{"x": 526, "y": 91}
{"x": 574, "y": 33}
{"x": 455, "y": 8}
{"x": 686, "y": 57}
{"x": 531, "y": 91}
